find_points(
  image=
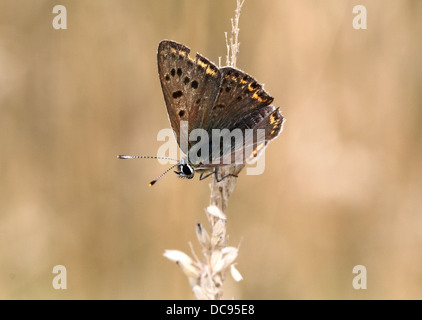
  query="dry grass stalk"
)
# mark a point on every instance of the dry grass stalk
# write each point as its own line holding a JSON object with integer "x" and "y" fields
{"x": 207, "y": 275}
{"x": 220, "y": 192}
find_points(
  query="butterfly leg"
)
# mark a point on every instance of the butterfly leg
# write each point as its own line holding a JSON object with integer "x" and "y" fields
{"x": 202, "y": 177}
{"x": 223, "y": 177}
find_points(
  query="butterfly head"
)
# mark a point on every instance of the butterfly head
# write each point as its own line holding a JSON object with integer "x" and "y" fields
{"x": 186, "y": 170}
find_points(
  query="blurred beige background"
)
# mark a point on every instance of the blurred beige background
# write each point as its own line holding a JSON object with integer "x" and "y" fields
{"x": 342, "y": 185}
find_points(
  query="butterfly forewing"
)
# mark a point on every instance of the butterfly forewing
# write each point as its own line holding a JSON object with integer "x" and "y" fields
{"x": 239, "y": 95}
{"x": 190, "y": 87}
{"x": 242, "y": 104}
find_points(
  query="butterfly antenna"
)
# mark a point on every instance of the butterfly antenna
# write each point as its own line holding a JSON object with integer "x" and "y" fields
{"x": 145, "y": 157}
{"x": 154, "y": 181}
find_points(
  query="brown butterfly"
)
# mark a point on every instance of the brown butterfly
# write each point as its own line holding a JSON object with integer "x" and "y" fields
{"x": 200, "y": 96}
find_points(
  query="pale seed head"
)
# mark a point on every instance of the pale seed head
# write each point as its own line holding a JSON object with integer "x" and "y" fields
{"x": 203, "y": 237}
{"x": 235, "y": 273}
{"x": 189, "y": 269}
{"x": 229, "y": 255}
{"x": 218, "y": 233}
{"x": 216, "y": 212}
{"x": 176, "y": 255}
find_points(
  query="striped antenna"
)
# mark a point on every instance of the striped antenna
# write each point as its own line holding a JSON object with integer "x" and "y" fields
{"x": 154, "y": 181}
{"x": 152, "y": 157}
{"x": 145, "y": 157}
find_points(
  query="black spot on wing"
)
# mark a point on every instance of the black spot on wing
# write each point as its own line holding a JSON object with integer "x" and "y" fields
{"x": 177, "y": 94}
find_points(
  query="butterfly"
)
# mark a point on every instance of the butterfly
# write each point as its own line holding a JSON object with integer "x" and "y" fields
{"x": 199, "y": 96}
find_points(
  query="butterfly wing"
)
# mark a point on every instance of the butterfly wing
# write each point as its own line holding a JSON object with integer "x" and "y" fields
{"x": 190, "y": 87}
{"x": 269, "y": 122}
{"x": 242, "y": 104}
{"x": 239, "y": 96}
{"x": 258, "y": 129}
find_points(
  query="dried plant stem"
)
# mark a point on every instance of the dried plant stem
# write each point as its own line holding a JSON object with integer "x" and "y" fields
{"x": 233, "y": 47}
{"x": 220, "y": 192}
{"x": 207, "y": 275}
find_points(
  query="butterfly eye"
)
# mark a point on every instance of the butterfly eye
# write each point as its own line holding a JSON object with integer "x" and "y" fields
{"x": 187, "y": 169}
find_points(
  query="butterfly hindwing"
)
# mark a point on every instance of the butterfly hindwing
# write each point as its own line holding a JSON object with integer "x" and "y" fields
{"x": 270, "y": 121}
{"x": 258, "y": 129}
{"x": 190, "y": 87}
